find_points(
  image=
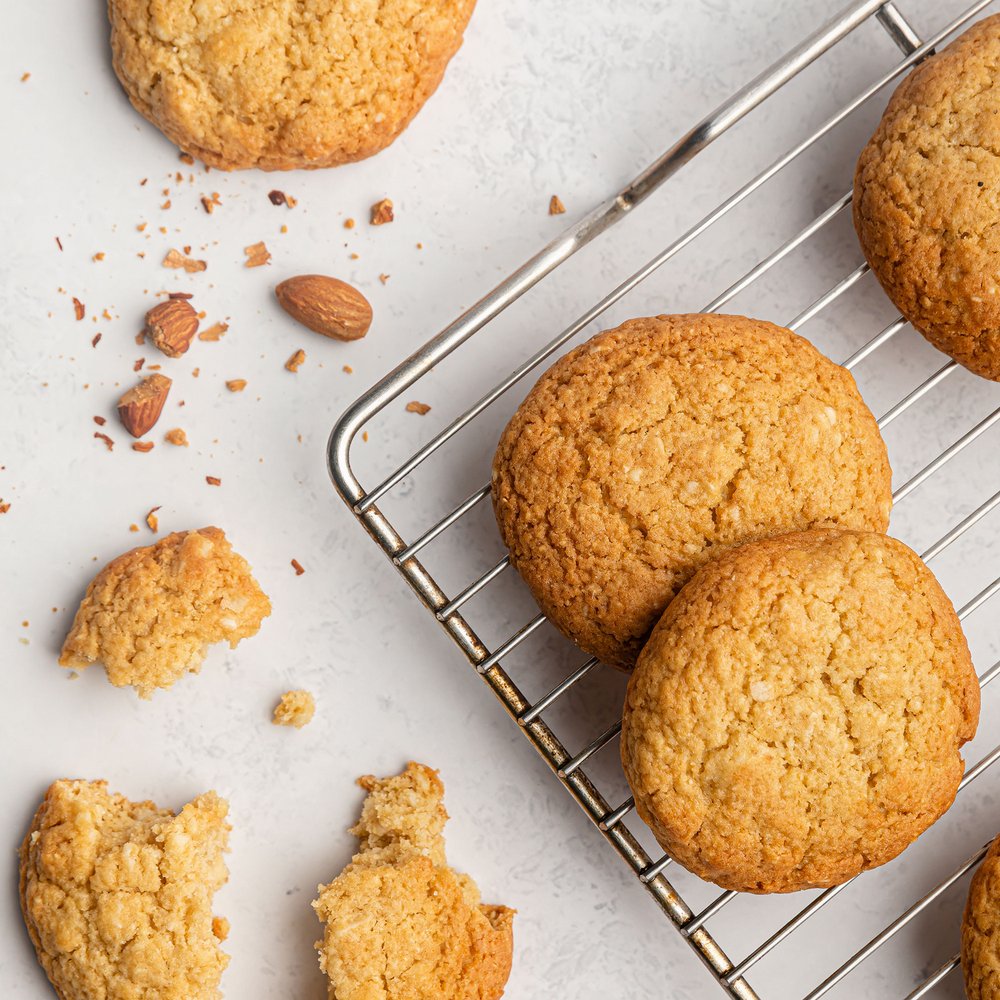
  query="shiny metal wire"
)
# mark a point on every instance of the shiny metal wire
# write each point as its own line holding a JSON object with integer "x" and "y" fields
{"x": 570, "y": 768}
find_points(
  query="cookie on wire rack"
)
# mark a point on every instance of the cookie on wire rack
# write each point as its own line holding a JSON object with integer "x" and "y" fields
{"x": 797, "y": 715}
{"x": 654, "y": 446}
{"x": 280, "y": 85}
{"x": 927, "y": 198}
{"x": 981, "y": 930}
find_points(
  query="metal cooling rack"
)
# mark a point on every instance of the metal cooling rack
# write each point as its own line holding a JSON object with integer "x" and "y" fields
{"x": 450, "y": 609}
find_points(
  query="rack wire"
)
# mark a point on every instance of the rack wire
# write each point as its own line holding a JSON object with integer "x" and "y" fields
{"x": 452, "y": 610}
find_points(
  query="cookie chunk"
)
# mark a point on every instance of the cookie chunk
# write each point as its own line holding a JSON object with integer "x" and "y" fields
{"x": 797, "y": 714}
{"x": 278, "y": 84}
{"x": 149, "y": 615}
{"x": 981, "y": 930}
{"x": 401, "y": 924}
{"x": 117, "y": 895}
{"x": 653, "y": 447}
{"x": 296, "y": 708}
{"x": 927, "y": 197}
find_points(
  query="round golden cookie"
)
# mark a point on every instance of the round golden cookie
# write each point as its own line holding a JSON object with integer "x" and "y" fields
{"x": 280, "y": 84}
{"x": 927, "y": 198}
{"x": 981, "y": 930}
{"x": 797, "y": 713}
{"x": 644, "y": 452}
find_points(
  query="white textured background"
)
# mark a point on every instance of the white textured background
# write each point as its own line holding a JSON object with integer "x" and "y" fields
{"x": 542, "y": 99}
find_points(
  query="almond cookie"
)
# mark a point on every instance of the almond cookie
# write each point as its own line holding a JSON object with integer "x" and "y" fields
{"x": 981, "y": 930}
{"x": 117, "y": 895}
{"x": 282, "y": 84}
{"x": 400, "y": 923}
{"x": 927, "y": 197}
{"x": 797, "y": 714}
{"x": 149, "y": 615}
{"x": 652, "y": 447}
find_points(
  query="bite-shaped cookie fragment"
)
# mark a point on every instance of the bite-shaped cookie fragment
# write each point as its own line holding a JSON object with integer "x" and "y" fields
{"x": 278, "y": 84}
{"x": 651, "y": 448}
{"x": 927, "y": 198}
{"x": 981, "y": 930}
{"x": 117, "y": 895}
{"x": 150, "y": 614}
{"x": 797, "y": 714}
{"x": 400, "y": 923}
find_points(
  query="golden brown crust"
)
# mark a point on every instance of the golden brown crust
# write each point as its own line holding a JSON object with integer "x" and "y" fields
{"x": 283, "y": 84}
{"x": 400, "y": 923}
{"x": 981, "y": 930}
{"x": 654, "y": 446}
{"x": 927, "y": 197}
{"x": 117, "y": 895}
{"x": 149, "y": 614}
{"x": 797, "y": 714}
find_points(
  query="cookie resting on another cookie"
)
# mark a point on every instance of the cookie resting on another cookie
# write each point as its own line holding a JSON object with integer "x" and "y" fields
{"x": 401, "y": 924}
{"x": 981, "y": 930}
{"x": 117, "y": 895}
{"x": 927, "y": 199}
{"x": 149, "y": 615}
{"x": 652, "y": 447}
{"x": 280, "y": 84}
{"x": 797, "y": 714}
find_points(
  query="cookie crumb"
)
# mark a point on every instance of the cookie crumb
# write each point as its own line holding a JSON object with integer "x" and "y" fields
{"x": 349, "y": 223}
{"x": 417, "y": 407}
{"x": 296, "y": 708}
{"x": 152, "y": 521}
{"x": 297, "y": 566}
{"x": 210, "y": 202}
{"x": 257, "y": 255}
{"x": 215, "y": 332}
{"x": 383, "y": 278}
{"x": 177, "y": 437}
{"x": 236, "y": 384}
{"x": 556, "y": 207}
{"x": 186, "y": 158}
{"x": 220, "y": 928}
{"x": 25, "y": 77}
{"x": 98, "y": 257}
{"x": 382, "y": 212}
{"x": 348, "y": 370}
{"x": 4, "y": 506}
{"x": 295, "y": 361}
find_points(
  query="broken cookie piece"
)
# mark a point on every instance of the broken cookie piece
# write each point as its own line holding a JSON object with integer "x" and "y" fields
{"x": 150, "y": 614}
{"x": 117, "y": 895}
{"x": 400, "y": 923}
{"x": 296, "y": 708}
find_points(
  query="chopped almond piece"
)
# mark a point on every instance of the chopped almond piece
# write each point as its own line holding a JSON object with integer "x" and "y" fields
{"x": 98, "y": 257}
{"x": 186, "y": 158}
{"x": 152, "y": 520}
{"x": 107, "y": 441}
{"x": 556, "y": 207}
{"x": 295, "y": 361}
{"x": 236, "y": 384}
{"x": 210, "y": 202}
{"x": 297, "y": 566}
{"x": 4, "y": 506}
{"x": 215, "y": 332}
{"x": 382, "y": 212}
{"x": 96, "y": 340}
{"x": 257, "y": 254}
{"x": 142, "y": 446}
{"x": 100, "y": 421}
{"x": 78, "y": 308}
{"x": 213, "y": 480}
{"x": 178, "y": 261}
{"x": 177, "y": 437}
{"x": 415, "y": 407}
{"x": 277, "y": 197}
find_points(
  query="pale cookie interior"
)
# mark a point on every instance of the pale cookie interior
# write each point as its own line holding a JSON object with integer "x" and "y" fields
{"x": 296, "y": 708}
{"x": 117, "y": 895}
{"x": 399, "y": 922}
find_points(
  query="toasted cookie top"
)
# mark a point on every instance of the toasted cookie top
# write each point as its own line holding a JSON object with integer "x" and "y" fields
{"x": 117, "y": 895}
{"x": 279, "y": 84}
{"x": 650, "y": 448}
{"x": 927, "y": 197}
{"x": 150, "y": 613}
{"x": 981, "y": 930}
{"x": 797, "y": 714}
{"x": 399, "y": 922}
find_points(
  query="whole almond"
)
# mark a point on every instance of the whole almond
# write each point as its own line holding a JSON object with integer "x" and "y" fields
{"x": 171, "y": 326}
{"x": 326, "y": 305}
{"x": 141, "y": 406}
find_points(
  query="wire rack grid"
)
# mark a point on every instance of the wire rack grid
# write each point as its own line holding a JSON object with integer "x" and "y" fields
{"x": 609, "y": 812}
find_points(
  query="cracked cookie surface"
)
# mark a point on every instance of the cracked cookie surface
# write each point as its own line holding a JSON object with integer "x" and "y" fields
{"x": 149, "y": 615}
{"x": 797, "y": 715}
{"x": 400, "y": 923}
{"x": 927, "y": 198}
{"x": 652, "y": 447}
{"x": 981, "y": 930}
{"x": 281, "y": 84}
{"x": 117, "y": 895}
